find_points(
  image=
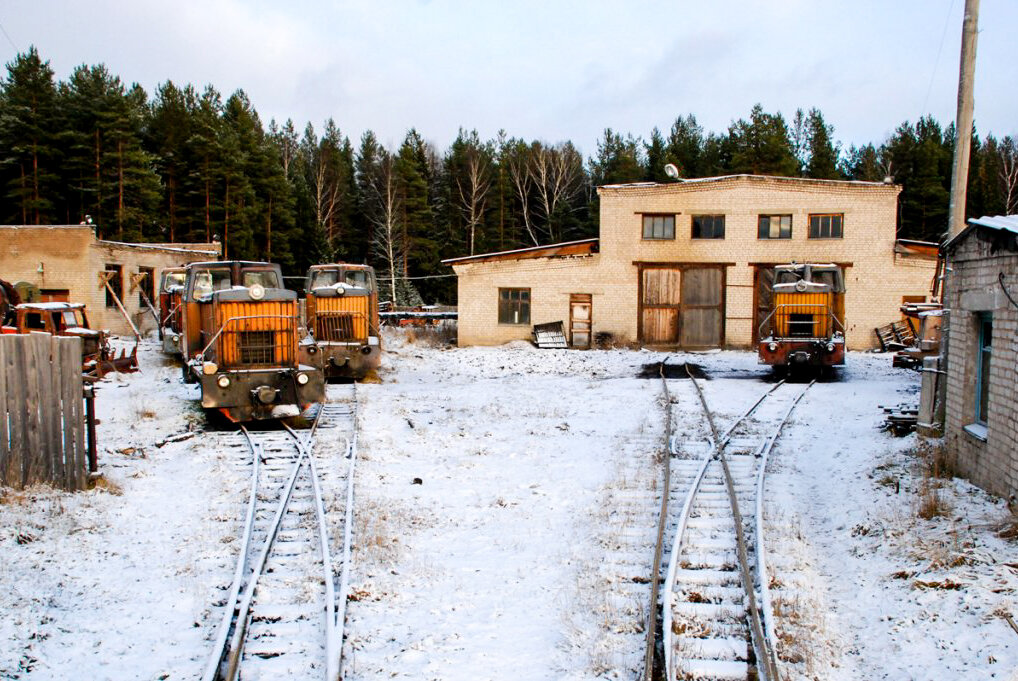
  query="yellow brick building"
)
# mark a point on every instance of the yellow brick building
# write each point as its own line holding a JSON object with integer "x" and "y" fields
{"x": 685, "y": 264}
{"x": 64, "y": 261}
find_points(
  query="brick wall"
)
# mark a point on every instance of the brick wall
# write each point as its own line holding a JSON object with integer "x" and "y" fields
{"x": 973, "y": 288}
{"x": 70, "y": 258}
{"x": 876, "y": 281}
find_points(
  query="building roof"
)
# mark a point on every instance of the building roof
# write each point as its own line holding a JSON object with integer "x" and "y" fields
{"x": 567, "y": 248}
{"x": 1006, "y": 226}
{"x": 699, "y": 182}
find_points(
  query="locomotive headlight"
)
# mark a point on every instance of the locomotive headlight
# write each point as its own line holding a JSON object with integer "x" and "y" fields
{"x": 302, "y": 379}
{"x": 772, "y": 346}
{"x": 224, "y": 381}
{"x": 830, "y": 347}
{"x": 257, "y": 291}
{"x": 209, "y": 368}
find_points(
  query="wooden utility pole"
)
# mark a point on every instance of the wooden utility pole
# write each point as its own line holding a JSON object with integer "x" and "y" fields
{"x": 963, "y": 121}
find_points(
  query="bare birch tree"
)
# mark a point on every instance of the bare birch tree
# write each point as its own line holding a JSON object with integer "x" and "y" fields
{"x": 556, "y": 173}
{"x": 474, "y": 189}
{"x": 514, "y": 158}
{"x": 1008, "y": 151}
{"x": 388, "y": 242}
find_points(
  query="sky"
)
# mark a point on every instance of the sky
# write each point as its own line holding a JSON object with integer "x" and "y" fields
{"x": 545, "y": 70}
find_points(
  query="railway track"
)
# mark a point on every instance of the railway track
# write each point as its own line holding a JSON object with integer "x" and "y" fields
{"x": 284, "y": 613}
{"x": 714, "y": 597}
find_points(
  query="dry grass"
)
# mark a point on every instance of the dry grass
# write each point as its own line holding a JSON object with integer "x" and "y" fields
{"x": 104, "y": 484}
{"x": 935, "y": 466}
{"x": 437, "y": 336}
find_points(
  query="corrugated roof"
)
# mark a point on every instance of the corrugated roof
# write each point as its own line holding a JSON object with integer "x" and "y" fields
{"x": 582, "y": 247}
{"x": 1000, "y": 223}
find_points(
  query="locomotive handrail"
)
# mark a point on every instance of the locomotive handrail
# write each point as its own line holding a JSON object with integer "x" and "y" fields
{"x": 201, "y": 355}
{"x": 836, "y": 321}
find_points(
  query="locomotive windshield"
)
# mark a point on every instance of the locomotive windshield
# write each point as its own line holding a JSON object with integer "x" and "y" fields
{"x": 267, "y": 278}
{"x": 354, "y": 278}
{"x": 172, "y": 279}
{"x": 207, "y": 281}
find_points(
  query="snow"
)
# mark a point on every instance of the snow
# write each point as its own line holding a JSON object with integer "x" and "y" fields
{"x": 506, "y": 501}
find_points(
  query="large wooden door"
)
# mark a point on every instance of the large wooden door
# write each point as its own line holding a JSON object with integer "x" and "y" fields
{"x": 659, "y": 305}
{"x": 703, "y": 308}
{"x": 763, "y": 295}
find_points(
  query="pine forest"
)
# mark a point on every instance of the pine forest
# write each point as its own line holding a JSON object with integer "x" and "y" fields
{"x": 184, "y": 164}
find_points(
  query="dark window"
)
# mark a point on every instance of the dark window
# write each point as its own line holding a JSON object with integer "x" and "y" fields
{"x": 34, "y": 320}
{"x": 775, "y": 227}
{"x": 826, "y": 226}
{"x": 708, "y": 226}
{"x": 256, "y": 347}
{"x": 146, "y": 285}
{"x": 983, "y": 367}
{"x": 116, "y": 283}
{"x": 658, "y": 226}
{"x": 514, "y": 306}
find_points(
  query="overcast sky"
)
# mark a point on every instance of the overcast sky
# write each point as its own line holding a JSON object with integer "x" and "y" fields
{"x": 542, "y": 69}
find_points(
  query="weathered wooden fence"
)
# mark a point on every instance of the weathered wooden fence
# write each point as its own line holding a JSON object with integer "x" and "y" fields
{"x": 41, "y": 420}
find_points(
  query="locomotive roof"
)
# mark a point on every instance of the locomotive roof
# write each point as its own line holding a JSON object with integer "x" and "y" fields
{"x": 50, "y": 306}
{"x": 345, "y": 265}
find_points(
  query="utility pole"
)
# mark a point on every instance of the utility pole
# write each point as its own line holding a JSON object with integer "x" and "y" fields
{"x": 933, "y": 401}
{"x": 963, "y": 121}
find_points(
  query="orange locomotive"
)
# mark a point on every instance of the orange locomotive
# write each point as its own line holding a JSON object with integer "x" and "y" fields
{"x": 171, "y": 290}
{"x": 806, "y": 327}
{"x": 342, "y": 317}
{"x": 240, "y": 342}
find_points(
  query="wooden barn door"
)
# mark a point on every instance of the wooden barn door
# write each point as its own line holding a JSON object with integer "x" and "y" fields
{"x": 763, "y": 280}
{"x": 659, "y": 305}
{"x": 703, "y": 308}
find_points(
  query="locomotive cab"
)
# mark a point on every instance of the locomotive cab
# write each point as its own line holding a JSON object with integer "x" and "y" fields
{"x": 342, "y": 318}
{"x": 171, "y": 289}
{"x": 805, "y": 327}
{"x": 240, "y": 342}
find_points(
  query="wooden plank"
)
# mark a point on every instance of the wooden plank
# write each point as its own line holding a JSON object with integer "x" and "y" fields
{"x": 78, "y": 459}
{"x": 34, "y": 437}
{"x": 4, "y": 433}
{"x": 53, "y": 414}
{"x": 14, "y": 475}
{"x": 64, "y": 360}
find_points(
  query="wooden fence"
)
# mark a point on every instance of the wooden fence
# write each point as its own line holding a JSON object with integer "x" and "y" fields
{"x": 41, "y": 420}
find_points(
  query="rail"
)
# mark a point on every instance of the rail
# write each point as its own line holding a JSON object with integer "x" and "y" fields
{"x": 812, "y": 322}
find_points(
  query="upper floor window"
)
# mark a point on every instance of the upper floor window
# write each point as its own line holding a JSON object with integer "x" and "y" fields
{"x": 775, "y": 227}
{"x": 708, "y": 226}
{"x": 514, "y": 306}
{"x": 826, "y": 226}
{"x": 658, "y": 226}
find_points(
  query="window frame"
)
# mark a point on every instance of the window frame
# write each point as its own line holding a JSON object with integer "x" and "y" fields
{"x": 519, "y": 304}
{"x": 984, "y": 349}
{"x": 714, "y": 218}
{"x": 147, "y": 285}
{"x": 116, "y": 283}
{"x": 652, "y": 216}
{"x": 770, "y": 216}
{"x": 830, "y": 216}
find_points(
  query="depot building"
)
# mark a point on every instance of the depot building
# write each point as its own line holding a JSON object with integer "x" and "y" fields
{"x": 687, "y": 264}
{"x": 67, "y": 263}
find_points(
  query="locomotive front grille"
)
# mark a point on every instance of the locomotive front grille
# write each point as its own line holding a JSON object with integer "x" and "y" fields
{"x": 256, "y": 347}
{"x": 335, "y": 326}
{"x": 801, "y": 325}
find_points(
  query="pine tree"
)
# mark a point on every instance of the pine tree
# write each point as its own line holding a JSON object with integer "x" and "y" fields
{"x": 685, "y": 147}
{"x": 822, "y": 163}
{"x": 166, "y": 136}
{"x": 656, "y": 154}
{"x": 28, "y": 127}
{"x": 422, "y": 248}
{"x": 761, "y": 146}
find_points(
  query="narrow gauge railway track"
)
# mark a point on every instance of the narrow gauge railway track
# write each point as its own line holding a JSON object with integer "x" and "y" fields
{"x": 716, "y": 618}
{"x": 284, "y": 613}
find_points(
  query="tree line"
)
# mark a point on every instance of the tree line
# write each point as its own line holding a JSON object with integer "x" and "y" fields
{"x": 187, "y": 165}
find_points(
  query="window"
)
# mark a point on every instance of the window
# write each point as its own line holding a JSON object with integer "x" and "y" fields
{"x": 514, "y": 306}
{"x": 826, "y": 226}
{"x": 267, "y": 278}
{"x": 116, "y": 283}
{"x": 146, "y": 285}
{"x": 983, "y": 367}
{"x": 708, "y": 226}
{"x": 658, "y": 226}
{"x": 775, "y": 227}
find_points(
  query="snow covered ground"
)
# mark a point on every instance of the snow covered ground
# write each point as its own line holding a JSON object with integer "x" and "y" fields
{"x": 504, "y": 528}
